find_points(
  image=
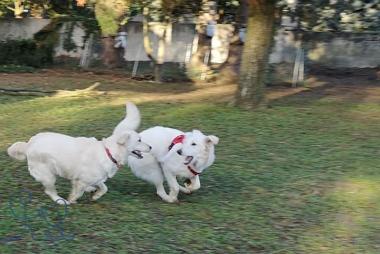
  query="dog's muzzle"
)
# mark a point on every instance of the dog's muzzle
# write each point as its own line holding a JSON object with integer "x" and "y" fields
{"x": 188, "y": 159}
{"x": 137, "y": 154}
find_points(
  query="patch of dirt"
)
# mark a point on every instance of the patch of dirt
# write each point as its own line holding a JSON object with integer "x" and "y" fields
{"x": 360, "y": 85}
{"x": 354, "y": 86}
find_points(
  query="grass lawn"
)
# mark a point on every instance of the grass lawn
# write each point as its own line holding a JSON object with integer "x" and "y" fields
{"x": 301, "y": 176}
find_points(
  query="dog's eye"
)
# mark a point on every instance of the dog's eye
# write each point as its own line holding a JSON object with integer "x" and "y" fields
{"x": 193, "y": 144}
{"x": 139, "y": 139}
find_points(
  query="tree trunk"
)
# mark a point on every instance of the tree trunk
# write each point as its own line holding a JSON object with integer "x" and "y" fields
{"x": 157, "y": 72}
{"x": 108, "y": 14}
{"x": 260, "y": 27}
{"x": 161, "y": 33}
{"x": 202, "y": 43}
{"x": 110, "y": 56}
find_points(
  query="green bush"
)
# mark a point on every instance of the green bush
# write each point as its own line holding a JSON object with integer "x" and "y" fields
{"x": 12, "y": 68}
{"x": 26, "y": 53}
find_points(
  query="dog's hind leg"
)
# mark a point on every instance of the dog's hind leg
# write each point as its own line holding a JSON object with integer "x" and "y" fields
{"x": 102, "y": 189}
{"x": 77, "y": 190}
{"x": 42, "y": 174}
{"x": 51, "y": 191}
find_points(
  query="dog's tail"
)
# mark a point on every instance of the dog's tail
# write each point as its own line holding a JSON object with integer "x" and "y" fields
{"x": 131, "y": 121}
{"x": 18, "y": 150}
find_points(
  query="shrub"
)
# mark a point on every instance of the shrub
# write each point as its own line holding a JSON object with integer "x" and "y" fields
{"x": 26, "y": 53}
{"x": 11, "y": 68}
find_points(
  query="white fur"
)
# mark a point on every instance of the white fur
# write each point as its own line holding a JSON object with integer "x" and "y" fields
{"x": 82, "y": 160}
{"x": 131, "y": 121}
{"x": 162, "y": 164}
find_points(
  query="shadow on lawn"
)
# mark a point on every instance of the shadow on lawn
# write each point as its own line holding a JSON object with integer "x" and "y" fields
{"x": 348, "y": 198}
{"x": 8, "y": 99}
{"x": 71, "y": 81}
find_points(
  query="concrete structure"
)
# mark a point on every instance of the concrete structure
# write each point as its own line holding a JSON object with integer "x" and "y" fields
{"x": 333, "y": 50}
{"x": 21, "y": 28}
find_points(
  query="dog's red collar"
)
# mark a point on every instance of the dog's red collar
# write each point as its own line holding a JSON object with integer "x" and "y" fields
{"x": 195, "y": 173}
{"x": 176, "y": 140}
{"x": 118, "y": 165}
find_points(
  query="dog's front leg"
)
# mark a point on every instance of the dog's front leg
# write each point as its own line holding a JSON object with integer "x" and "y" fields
{"x": 174, "y": 149}
{"x": 77, "y": 191}
{"x": 184, "y": 189}
{"x": 195, "y": 184}
{"x": 102, "y": 189}
{"x": 173, "y": 185}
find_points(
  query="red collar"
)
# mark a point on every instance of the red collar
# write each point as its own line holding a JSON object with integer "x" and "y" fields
{"x": 176, "y": 140}
{"x": 119, "y": 166}
{"x": 192, "y": 171}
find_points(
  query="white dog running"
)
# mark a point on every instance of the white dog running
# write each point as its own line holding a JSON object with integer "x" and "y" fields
{"x": 87, "y": 162}
{"x": 173, "y": 154}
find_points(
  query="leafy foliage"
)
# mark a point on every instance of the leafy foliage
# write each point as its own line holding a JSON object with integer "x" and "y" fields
{"x": 109, "y": 14}
{"x": 12, "y": 68}
{"x": 336, "y": 15}
{"x": 25, "y": 52}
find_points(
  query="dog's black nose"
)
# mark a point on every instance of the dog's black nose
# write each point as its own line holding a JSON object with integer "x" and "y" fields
{"x": 150, "y": 148}
{"x": 179, "y": 152}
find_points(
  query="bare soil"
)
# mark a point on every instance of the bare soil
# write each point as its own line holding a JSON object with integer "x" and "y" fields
{"x": 352, "y": 85}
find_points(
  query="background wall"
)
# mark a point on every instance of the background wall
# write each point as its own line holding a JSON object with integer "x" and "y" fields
{"x": 333, "y": 50}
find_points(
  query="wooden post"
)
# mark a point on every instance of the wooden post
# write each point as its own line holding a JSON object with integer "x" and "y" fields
{"x": 296, "y": 67}
{"x": 87, "y": 52}
{"x": 136, "y": 63}
{"x": 205, "y": 62}
{"x": 301, "y": 74}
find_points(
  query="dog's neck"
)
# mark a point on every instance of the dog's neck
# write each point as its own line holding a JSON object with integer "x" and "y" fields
{"x": 110, "y": 151}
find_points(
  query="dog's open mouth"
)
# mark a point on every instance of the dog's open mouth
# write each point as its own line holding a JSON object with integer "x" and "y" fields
{"x": 137, "y": 154}
{"x": 188, "y": 160}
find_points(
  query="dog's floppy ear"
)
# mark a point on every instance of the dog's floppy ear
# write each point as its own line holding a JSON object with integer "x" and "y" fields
{"x": 123, "y": 138}
{"x": 212, "y": 139}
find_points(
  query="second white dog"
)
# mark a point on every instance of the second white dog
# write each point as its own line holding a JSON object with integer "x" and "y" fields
{"x": 174, "y": 154}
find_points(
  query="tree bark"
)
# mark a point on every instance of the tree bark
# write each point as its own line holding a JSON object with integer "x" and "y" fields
{"x": 108, "y": 14}
{"x": 159, "y": 61}
{"x": 258, "y": 39}
{"x": 201, "y": 43}
{"x": 110, "y": 56}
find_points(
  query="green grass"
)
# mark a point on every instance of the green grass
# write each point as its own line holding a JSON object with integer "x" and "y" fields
{"x": 300, "y": 177}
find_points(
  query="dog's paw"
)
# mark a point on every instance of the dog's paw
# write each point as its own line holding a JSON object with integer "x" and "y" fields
{"x": 187, "y": 191}
{"x": 187, "y": 184}
{"x": 90, "y": 189}
{"x": 95, "y": 197}
{"x": 170, "y": 199}
{"x": 72, "y": 201}
{"x": 173, "y": 200}
{"x": 62, "y": 201}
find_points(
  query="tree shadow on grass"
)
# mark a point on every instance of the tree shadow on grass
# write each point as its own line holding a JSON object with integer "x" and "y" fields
{"x": 336, "y": 88}
{"x": 10, "y": 99}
